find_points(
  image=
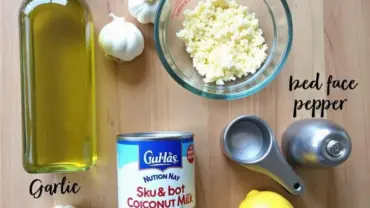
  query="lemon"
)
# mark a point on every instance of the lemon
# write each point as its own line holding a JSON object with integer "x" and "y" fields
{"x": 264, "y": 199}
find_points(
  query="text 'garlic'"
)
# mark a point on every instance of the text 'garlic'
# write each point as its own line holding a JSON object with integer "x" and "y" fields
{"x": 143, "y": 10}
{"x": 121, "y": 40}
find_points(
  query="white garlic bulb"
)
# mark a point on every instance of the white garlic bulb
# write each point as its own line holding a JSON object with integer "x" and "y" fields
{"x": 64, "y": 206}
{"x": 121, "y": 40}
{"x": 143, "y": 10}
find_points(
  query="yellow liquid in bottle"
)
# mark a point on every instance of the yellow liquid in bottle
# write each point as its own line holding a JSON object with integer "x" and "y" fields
{"x": 58, "y": 86}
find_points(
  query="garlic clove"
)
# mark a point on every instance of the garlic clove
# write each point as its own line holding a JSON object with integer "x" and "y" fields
{"x": 121, "y": 40}
{"x": 64, "y": 206}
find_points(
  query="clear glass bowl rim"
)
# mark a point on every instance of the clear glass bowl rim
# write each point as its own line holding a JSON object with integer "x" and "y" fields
{"x": 216, "y": 96}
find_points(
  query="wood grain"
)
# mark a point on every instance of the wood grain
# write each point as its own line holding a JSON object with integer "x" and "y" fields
{"x": 331, "y": 37}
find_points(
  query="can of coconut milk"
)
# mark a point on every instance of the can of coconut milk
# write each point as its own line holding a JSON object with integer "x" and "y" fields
{"x": 156, "y": 170}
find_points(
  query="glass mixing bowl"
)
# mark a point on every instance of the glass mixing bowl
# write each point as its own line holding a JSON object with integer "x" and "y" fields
{"x": 274, "y": 19}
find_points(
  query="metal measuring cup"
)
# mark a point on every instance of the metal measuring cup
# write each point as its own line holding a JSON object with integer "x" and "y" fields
{"x": 249, "y": 141}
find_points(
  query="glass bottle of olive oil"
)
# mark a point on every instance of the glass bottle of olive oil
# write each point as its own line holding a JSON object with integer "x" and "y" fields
{"x": 58, "y": 86}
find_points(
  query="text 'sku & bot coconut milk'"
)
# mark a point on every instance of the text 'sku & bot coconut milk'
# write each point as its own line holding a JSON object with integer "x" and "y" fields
{"x": 156, "y": 170}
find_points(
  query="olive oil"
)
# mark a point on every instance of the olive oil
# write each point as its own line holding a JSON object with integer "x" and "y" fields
{"x": 58, "y": 86}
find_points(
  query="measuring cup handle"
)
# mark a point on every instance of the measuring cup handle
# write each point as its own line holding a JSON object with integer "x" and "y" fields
{"x": 278, "y": 168}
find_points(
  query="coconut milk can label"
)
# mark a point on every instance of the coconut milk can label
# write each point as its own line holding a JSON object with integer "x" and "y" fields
{"x": 160, "y": 155}
{"x": 156, "y": 174}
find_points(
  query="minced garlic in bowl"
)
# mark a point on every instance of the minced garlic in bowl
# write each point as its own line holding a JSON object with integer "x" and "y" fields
{"x": 224, "y": 40}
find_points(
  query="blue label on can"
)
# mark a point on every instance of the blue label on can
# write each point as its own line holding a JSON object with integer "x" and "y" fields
{"x": 156, "y": 173}
{"x": 160, "y": 155}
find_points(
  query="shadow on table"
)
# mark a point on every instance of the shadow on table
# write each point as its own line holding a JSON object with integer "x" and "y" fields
{"x": 320, "y": 186}
{"x": 249, "y": 180}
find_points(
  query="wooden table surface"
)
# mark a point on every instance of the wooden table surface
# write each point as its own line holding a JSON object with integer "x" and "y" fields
{"x": 331, "y": 37}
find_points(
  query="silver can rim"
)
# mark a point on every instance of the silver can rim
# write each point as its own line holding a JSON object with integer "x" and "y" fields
{"x": 155, "y": 135}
